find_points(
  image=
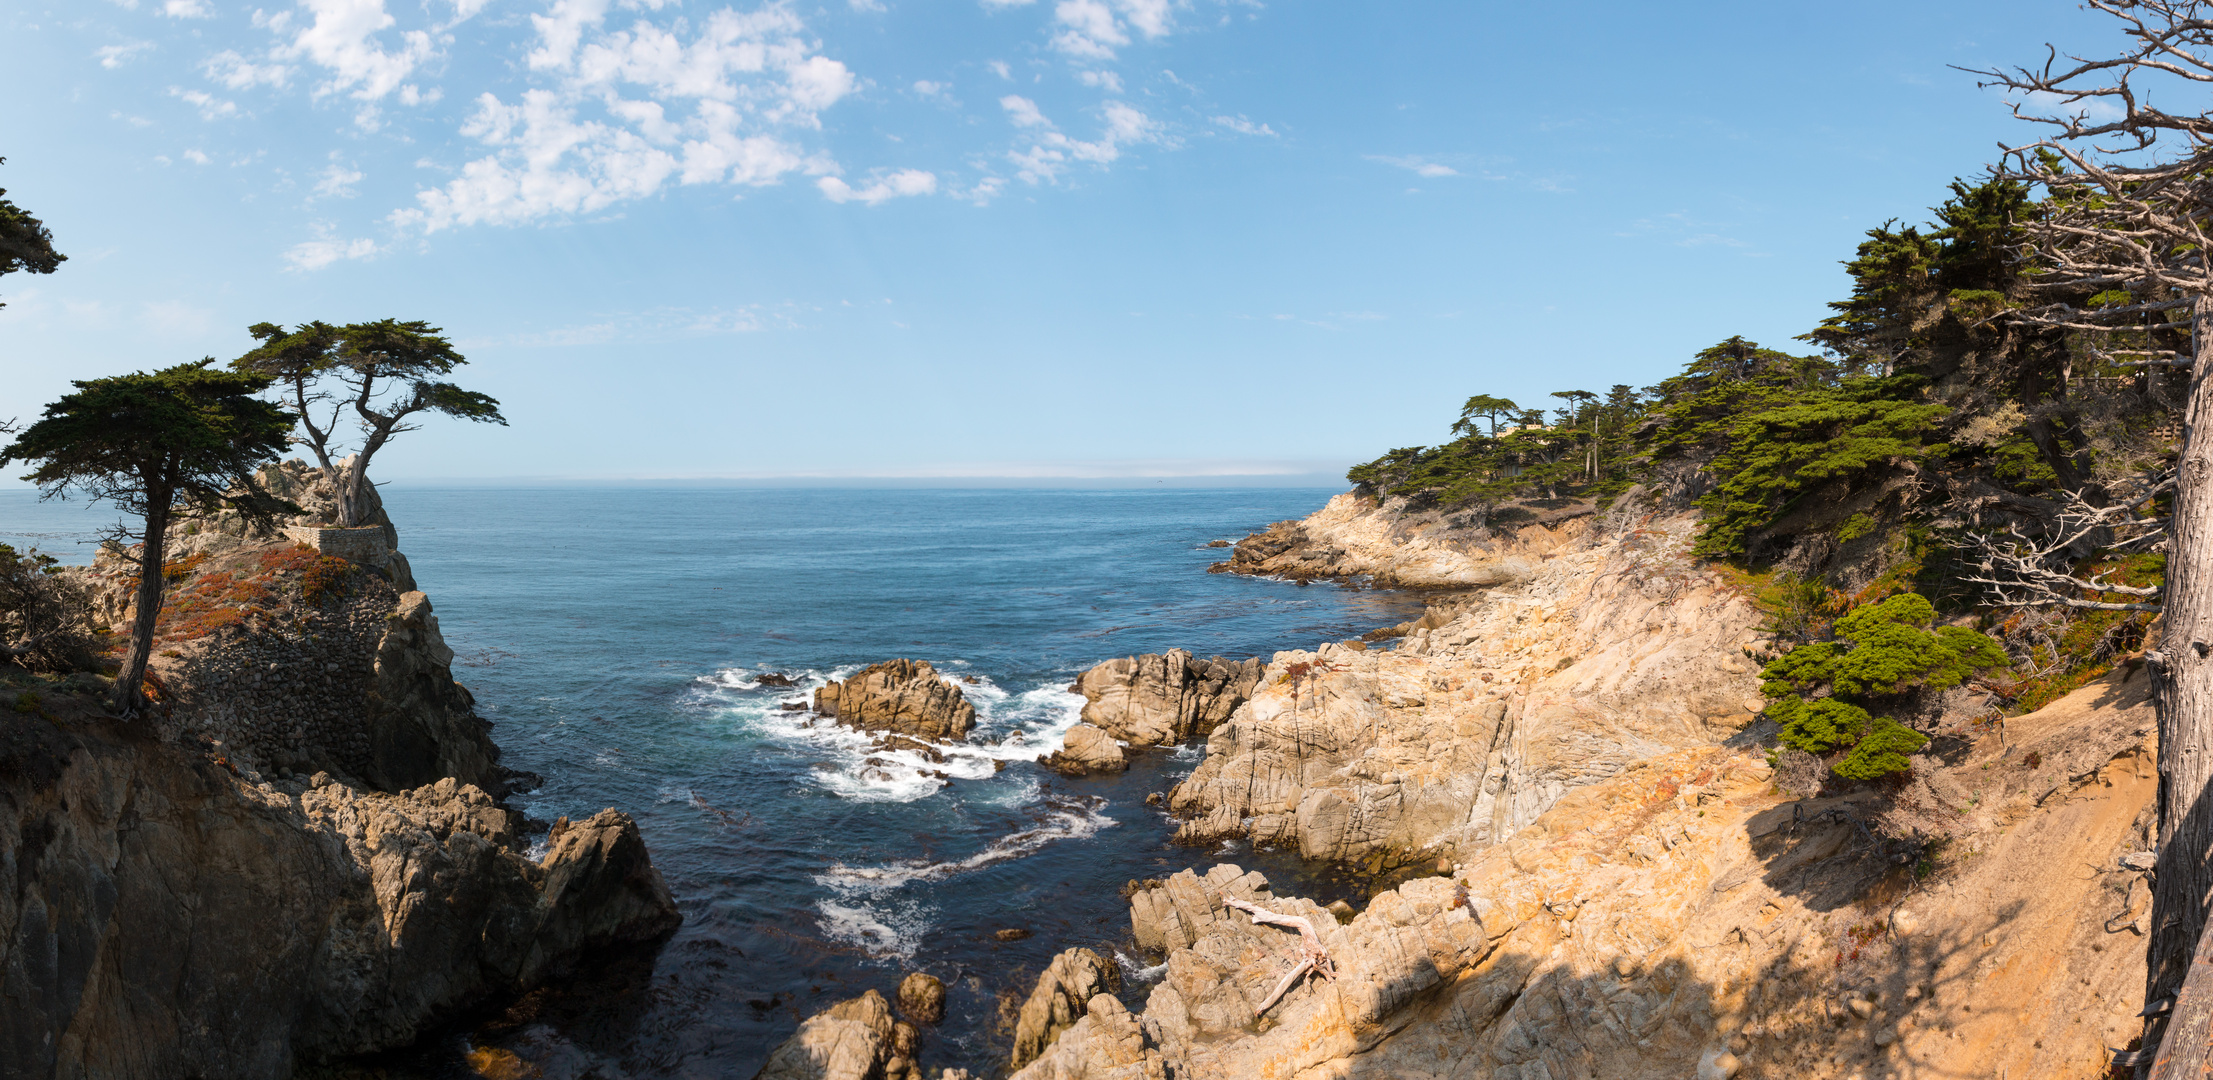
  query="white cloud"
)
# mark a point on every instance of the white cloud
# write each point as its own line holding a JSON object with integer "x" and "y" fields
{"x": 865, "y": 5}
{"x": 1416, "y": 165}
{"x": 317, "y": 254}
{"x": 926, "y": 88}
{"x": 636, "y": 107}
{"x": 238, "y": 73}
{"x": 903, "y": 182}
{"x": 337, "y": 182}
{"x": 1093, "y": 29}
{"x": 1243, "y": 126}
{"x": 1007, "y": 3}
{"x": 1023, "y": 112}
{"x": 115, "y": 56}
{"x": 187, "y": 9}
{"x": 210, "y": 106}
{"x": 1053, "y": 152}
{"x": 999, "y": 68}
{"x": 343, "y": 39}
{"x": 195, "y": 157}
{"x": 1107, "y": 79}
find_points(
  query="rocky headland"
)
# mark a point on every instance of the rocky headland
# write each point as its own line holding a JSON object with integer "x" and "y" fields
{"x": 302, "y": 855}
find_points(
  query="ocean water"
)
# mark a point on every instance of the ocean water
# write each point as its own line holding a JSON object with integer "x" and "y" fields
{"x": 615, "y": 637}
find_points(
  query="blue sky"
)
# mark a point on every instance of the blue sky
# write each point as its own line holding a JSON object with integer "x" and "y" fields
{"x": 1047, "y": 239}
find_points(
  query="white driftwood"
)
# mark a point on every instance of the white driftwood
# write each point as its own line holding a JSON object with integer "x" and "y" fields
{"x": 1315, "y": 960}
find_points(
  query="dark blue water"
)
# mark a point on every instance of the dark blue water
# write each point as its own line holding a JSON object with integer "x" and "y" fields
{"x": 613, "y": 637}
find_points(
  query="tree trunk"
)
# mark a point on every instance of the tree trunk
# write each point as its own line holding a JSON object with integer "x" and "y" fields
{"x": 2185, "y": 873}
{"x": 351, "y": 477}
{"x": 2186, "y": 1052}
{"x": 147, "y": 606}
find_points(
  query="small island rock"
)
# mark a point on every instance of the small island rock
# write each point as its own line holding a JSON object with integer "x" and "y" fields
{"x": 922, "y": 998}
{"x": 1086, "y": 750}
{"x": 1161, "y": 699}
{"x": 903, "y": 696}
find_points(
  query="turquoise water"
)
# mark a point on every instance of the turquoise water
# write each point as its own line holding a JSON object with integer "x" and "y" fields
{"x": 613, "y": 636}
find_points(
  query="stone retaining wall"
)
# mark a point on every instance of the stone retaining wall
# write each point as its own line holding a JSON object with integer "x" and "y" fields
{"x": 367, "y": 545}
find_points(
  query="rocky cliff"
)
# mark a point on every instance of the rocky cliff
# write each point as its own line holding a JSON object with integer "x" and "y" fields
{"x": 1682, "y": 918}
{"x": 1613, "y": 646}
{"x": 301, "y": 855}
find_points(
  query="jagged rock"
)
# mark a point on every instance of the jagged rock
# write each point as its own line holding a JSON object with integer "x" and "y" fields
{"x": 1161, "y": 699}
{"x": 1391, "y": 543}
{"x": 851, "y": 1040}
{"x": 1620, "y": 647}
{"x": 904, "y": 696}
{"x": 922, "y": 998}
{"x": 1086, "y": 750}
{"x": 162, "y": 917}
{"x": 1680, "y": 919}
{"x": 1062, "y": 994}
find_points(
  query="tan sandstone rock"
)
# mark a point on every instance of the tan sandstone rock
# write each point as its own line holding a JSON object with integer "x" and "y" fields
{"x": 1618, "y": 648}
{"x": 851, "y": 1040}
{"x": 1162, "y": 699}
{"x": 1063, "y": 993}
{"x": 1683, "y": 919}
{"x": 1086, "y": 750}
{"x": 1391, "y": 543}
{"x": 903, "y": 696}
{"x": 922, "y": 998}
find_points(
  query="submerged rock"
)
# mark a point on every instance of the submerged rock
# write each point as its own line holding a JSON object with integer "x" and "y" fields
{"x": 1086, "y": 750}
{"x": 1161, "y": 699}
{"x": 903, "y": 696}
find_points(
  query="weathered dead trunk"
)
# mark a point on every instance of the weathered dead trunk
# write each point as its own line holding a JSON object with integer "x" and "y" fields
{"x": 2185, "y": 875}
{"x": 146, "y": 606}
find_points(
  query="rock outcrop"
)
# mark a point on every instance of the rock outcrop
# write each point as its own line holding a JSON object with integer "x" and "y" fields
{"x": 854, "y": 1039}
{"x": 1063, "y": 993}
{"x": 922, "y": 998}
{"x": 1683, "y": 919}
{"x": 161, "y": 916}
{"x": 1086, "y": 750}
{"x": 1390, "y": 543}
{"x": 1616, "y": 648}
{"x": 1163, "y": 699}
{"x": 903, "y": 696}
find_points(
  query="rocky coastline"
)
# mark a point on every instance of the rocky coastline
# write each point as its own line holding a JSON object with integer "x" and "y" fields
{"x": 1597, "y": 871}
{"x": 304, "y": 855}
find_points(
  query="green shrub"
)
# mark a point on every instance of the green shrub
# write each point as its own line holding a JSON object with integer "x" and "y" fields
{"x": 1822, "y": 693}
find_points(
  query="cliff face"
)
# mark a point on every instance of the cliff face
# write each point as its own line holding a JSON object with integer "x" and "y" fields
{"x": 1683, "y": 919}
{"x": 1614, "y": 647}
{"x": 301, "y": 854}
{"x": 163, "y": 917}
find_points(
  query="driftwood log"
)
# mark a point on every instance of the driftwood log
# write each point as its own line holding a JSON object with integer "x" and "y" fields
{"x": 1314, "y": 958}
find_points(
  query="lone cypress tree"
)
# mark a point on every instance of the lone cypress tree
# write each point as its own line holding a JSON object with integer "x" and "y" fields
{"x": 384, "y": 371}
{"x": 161, "y": 446}
{"x": 25, "y": 243}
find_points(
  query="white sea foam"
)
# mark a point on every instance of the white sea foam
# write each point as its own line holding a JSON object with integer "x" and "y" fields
{"x": 857, "y": 769}
{"x": 882, "y": 929}
{"x": 1068, "y": 821}
{"x": 1132, "y": 971}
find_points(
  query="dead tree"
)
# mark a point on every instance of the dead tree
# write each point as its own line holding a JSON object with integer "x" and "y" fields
{"x": 2036, "y": 569}
{"x": 2130, "y": 195}
{"x": 1313, "y": 958}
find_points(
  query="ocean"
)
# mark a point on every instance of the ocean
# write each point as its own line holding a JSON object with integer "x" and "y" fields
{"x": 616, "y": 638}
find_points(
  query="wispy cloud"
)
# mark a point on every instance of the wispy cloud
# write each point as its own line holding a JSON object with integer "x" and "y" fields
{"x": 1243, "y": 126}
{"x": 1419, "y": 166}
{"x": 115, "y": 56}
{"x": 880, "y": 188}
{"x": 1053, "y": 152}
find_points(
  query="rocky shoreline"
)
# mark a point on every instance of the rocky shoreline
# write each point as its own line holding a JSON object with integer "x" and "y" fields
{"x": 1598, "y": 876}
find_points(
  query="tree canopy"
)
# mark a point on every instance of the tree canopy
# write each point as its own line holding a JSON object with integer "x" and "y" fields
{"x": 383, "y": 372}
{"x": 157, "y": 445}
{"x": 25, "y": 243}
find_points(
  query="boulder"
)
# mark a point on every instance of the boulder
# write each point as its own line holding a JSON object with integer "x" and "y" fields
{"x": 922, "y": 998}
{"x": 1086, "y": 750}
{"x": 902, "y": 696}
{"x": 1161, "y": 699}
{"x": 851, "y": 1040}
{"x": 1062, "y": 995}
